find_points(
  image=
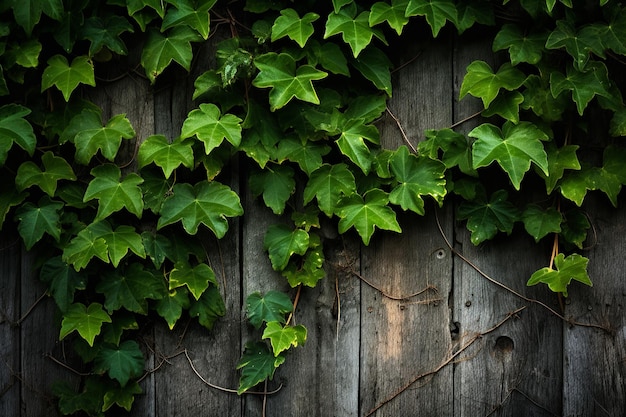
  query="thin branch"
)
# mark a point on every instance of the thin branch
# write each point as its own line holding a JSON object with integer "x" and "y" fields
{"x": 30, "y": 310}
{"x": 443, "y": 364}
{"x": 66, "y": 366}
{"x": 402, "y": 132}
{"x": 468, "y": 118}
{"x": 394, "y": 297}
{"x": 295, "y": 304}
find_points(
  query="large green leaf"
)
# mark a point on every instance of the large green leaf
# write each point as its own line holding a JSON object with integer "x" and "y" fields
{"x": 559, "y": 159}
{"x": 416, "y": 177}
{"x": 436, "y": 12}
{"x": 104, "y": 32}
{"x": 273, "y": 306}
{"x": 169, "y": 156}
{"x": 283, "y": 337}
{"x": 355, "y": 30}
{"x": 276, "y": 183}
{"x": 584, "y": 86}
{"x": 480, "y": 81}
{"x": 194, "y": 14}
{"x": 121, "y": 362}
{"x": 197, "y": 279}
{"x": 279, "y": 72}
{"x": 282, "y": 242}
{"x": 307, "y": 154}
{"x": 118, "y": 241}
{"x": 366, "y": 213}
{"x": 352, "y": 144}
{"x": 66, "y": 77}
{"x": 62, "y": 281}
{"x": 514, "y": 147}
{"x": 376, "y": 67}
{"x": 27, "y": 13}
{"x": 486, "y": 217}
{"x": 290, "y": 24}
{"x": 86, "y": 245}
{"x": 35, "y": 220}
{"x": 211, "y": 127}
{"x": 257, "y": 364}
{"x": 112, "y": 194}
{"x": 131, "y": 288}
{"x": 579, "y": 44}
{"x": 15, "y": 129}
{"x": 161, "y": 49}
{"x": 208, "y": 203}
{"x": 328, "y": 184}
{"x": 393, "y": 14}
{"x": 522, "y": 47}
{"x": 55, "y": 169}
{"x": 539, "y": 222}
{"x": 572, "y": 267}
{"x": 157, "y": 247}
{"x": 87, "y": 321}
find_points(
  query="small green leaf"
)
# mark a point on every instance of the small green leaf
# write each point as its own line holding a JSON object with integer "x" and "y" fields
{"x": 308, "y": 272}
{"x": 355, "y": 30}
{"x": 35, "y": 220}
{"x": 276, "y": 183}
{"x": 112, "y": 194}
{"x": 539, "y": 222}
{"x": 66, "y": 77}
{"x": 282, "y": 338}
{"x": 15, "y": 129}
{"x": 480, "y": 81}
{"x": 171, "y": 306}
{"x": 121, "y": 362}
{"x": 257, "y": 364}
{"x": 168, "y": 156}
{"x": 208, "y": 125}
{"x": 393, "y": 14}
{"x": 208, "y": 203}
{"x": 279, "y": 72}
{"x": 579, "y": 44}
{"x": 454, "y": 147}
{"x": 131, "y": 288}
{"x": 366, "y": 213}
{"x": 281, "y": 242}
{"x": 87, "y": 321}
{"x": 197, "y": 279}
{"x": 559, "y": 159}
{"x": 583, "y": 85}
{"x": 105, "y": 33}
{"x": 27, "y": 13}
{"x": 436, "y": 12}
{"x": 62, "y": 281}
{"x": 194, "y": 14}
{"x": 307, "y": 154}
{"x": 55, "y": 169}
{"x": 328, "y": 184}
{"x": 86, "y": 245}
{"x": 157, "y": 247}
{"x": 273, "y": 306}
{"x": 374, "y": 65}
{"x": 290, "y": 24}
{"x": 208, "y": 308}
{"x": 572, "y": 267}
{"x": 122, "y": 396}
{"x": 161, "y": 49}
{"x": 575, "y": 226}
{"x": 522, "y": 47}
{"x": 352, "y": 144}
{"x": 486, "y": 217}
{"x": 119, "y": 241}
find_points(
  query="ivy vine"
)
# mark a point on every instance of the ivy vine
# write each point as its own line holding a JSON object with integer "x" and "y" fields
{"x": 295, "y": 92}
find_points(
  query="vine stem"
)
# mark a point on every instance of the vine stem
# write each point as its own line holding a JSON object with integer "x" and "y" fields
{"x": 511, "y": 290}
{"x": 295, "y": 304}
{"x": 402, "y": 132}
{"x": 444, "y": 363}
{"x": 395, "y": 297}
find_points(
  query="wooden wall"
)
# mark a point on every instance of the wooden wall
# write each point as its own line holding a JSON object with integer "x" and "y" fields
{"x": 469, "y": 338}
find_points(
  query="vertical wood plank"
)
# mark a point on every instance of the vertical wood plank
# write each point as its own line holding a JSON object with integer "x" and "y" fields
{"x": 514, "y": 369}
{"x": 595, "y": 361}
{"x": 9, "y": 331}
{"x": 402, "y": 339}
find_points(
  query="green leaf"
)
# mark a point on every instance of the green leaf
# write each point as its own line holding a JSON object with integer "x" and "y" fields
{"x": 572, "y": 267}
{"x": 15, "y": 129}
{"x": 168, "y": 156}
{"x": 273, "y": 306}
{"x": 436, "y": 12}
{"x": 157, "y": 247}
{"x": 25, "y": 54}
{"x": 112, "y": 194}
{"x": 105, "y": 33}
{"x": 454, "y": 147}
{"x": 522, "y": 47}
{"x": 376, "y": 67}
{"x": 208, "y": 203}
{"x": 506, "y": 106}
{"x": 574, "y": 227}
{"x": 62, "y": 281}
{"x": 559, "y": 159}
{"x": 613, "y": 34}
{"x": 276, "y": 184}
{"x": 579, "y": 44}
{"x": 290, "y": 24}
{"x": 330, "y": 56}
{"x": 160, "y": 50}
{"x": 328, "y": 184}
{"x": 118, "y": 241}
{"x": 281, "y": 242}
{"x": 197, "y": 279}
{"x": 85, "y": 130}
{"x": 208, "y": 125}
{"x": 121, "y": 362}
{"x": 416, "y": 177}
{"x": 583, "y": 85}
{"x": 35, "y": 220}
{"x": 87, "y": 321}
{"x": 208, "y": 308}
{"x": 194, "y": 14}
{"x": 355, "y": 30}
{"x": 66, "y": 77}
{"x": 55, "y": 169}
{"x": 122, "y": 396}
{"x": 514, "y": 148}
{"x": 257, "y": 364}
{"x": 366, "y": 213}
{"x": 28, "y": 13}
{"x": 279, "y": 72}
{"x": 352, "y": 144}
{"x": 539, "y": 222}
{"x": 171, "y": 306}
{"x": 486, "y": 217}
{"x": 539, "y": 99}
{"x": 393, "y": 14}
{"x": 112, "y": 332}
{"x": 130, "y": 288}
{"x": 307, "y": 154}
{"x": 308, "y": 272}
{"x": 282, "y": 338}
{"x": 155, "y": 188}
{"x": 480, "y": 81}
{"x": 80, "y": 250}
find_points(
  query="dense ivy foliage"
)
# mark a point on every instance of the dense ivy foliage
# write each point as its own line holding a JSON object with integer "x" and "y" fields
{"x": 294, "y": 93}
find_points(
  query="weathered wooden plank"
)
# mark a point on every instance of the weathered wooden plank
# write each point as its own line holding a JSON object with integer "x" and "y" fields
{"x": 403, "y": 339}
{"x": 595, "y": 361}
{"x": 9, "y": 331}
{"x": 514, "y": 369}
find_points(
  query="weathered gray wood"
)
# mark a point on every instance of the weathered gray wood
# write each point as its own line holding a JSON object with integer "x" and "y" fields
{"x": 9, "y": 331}
{"x": 595, "y": 361}
{"x": 402, "y": 339}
